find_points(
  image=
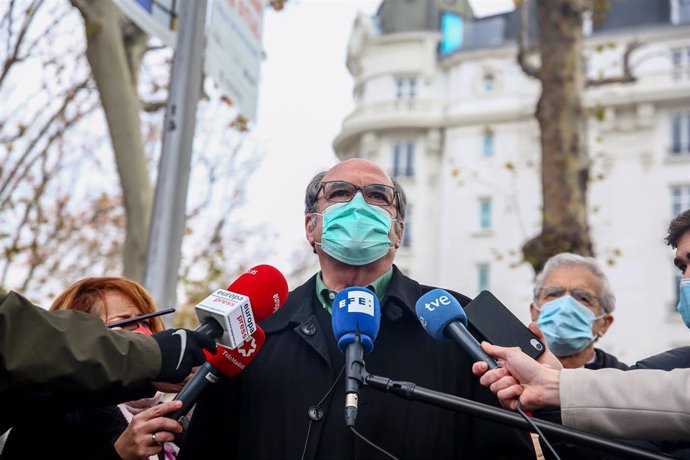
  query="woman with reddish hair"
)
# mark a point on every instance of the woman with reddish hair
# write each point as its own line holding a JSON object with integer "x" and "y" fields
{"x": 131, "y": 430}
{"x": 112, "y": 299}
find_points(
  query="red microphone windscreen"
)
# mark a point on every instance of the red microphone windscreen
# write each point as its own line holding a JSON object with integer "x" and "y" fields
{"x": 266, "y": 288}
{"x": 232, "y": 361}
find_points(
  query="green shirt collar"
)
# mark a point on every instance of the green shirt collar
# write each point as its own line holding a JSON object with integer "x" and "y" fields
{"x": 326, "y": 296}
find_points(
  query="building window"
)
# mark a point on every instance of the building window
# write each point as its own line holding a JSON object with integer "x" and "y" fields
{"x": 451, "y": 33}
{"x": 482, "y": 277}
{"x": 489, "y": 82}
{"x": 407, "y": 234}
{"x": 584, "y": 67}
{"x": 587, "y": 23}
{"x": 680, "y": 58}
{"x": 680, "y": 134}
{"x": 680, "y": 199}
{"x": 488, "y": 143}
{"x": 359, "y": 94}
{"x": 680, "y": 11}
{"x": 403, "y": 159}
{"x": 485, "y": 213}
{"x": 406, "y": 88}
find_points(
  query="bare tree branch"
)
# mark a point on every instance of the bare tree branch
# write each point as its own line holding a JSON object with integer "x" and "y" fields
{"x": 14, "y": 54}
{"x": 135, "y": 46}
{"x": 524, "y": 51}
{"x": 35, "y": 259}
{"x": 8, "y": 18}
{"x": 155, "y": 48}
{"x": 12, "y": 177}
{"x": 153, "y": 106}
{"x": 627, "y": 73}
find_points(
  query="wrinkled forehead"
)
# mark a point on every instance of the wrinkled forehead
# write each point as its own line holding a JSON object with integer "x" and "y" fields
{"x": 358, "y": 172}
{"x": 572, "y": 277}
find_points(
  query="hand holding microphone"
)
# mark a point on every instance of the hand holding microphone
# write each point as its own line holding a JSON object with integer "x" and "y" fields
{"x": 181, "y": 349}
{"x": 442, "y": 316}
{"x": 513, "y": 383}
{"x": 255, "y": 295}
{"x": 224, "y": 363}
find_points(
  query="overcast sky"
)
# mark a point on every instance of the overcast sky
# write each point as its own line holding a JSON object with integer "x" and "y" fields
{"x": 304, "y": 94}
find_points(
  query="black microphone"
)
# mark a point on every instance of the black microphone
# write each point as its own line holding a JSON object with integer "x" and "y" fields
{"x": 442, "y": 317}
{"x": 226, "y": 362}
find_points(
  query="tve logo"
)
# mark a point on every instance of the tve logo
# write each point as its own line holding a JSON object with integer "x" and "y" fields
{"x": 359, "y": 302}
{"x": 437, "y": 302}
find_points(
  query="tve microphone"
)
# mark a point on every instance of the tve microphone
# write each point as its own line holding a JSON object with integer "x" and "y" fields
{"x": 356, "y": 320}
{"x": 231, "y": 315}
{"x": 226, "y": 362}
{"x": 442, "y": 317}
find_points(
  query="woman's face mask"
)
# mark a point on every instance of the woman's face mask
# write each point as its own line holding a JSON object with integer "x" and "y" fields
{"x": 143, "y": 329}
{"x": 355, "y": 233}
{"x": 567, "y": 325}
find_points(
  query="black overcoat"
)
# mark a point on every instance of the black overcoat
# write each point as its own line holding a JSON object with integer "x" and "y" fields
{"x": 288, "y": 403}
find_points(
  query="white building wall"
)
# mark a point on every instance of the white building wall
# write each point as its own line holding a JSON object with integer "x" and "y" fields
{"x": 629, "y": 196}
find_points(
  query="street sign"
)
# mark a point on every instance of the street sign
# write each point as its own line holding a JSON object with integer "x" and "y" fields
{"x": 233, "y": 51}
{"x": 155, "y": 17}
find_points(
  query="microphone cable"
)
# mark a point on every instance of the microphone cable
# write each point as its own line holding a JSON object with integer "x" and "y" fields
{"x": 380, "y": 449}
{"x": 318, "y": 404}
{"x": 360, "y": 436}
{"x": 537, "y": 430}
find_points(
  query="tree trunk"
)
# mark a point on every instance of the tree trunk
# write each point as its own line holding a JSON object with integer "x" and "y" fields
{"x": 561, "y": 117}
{"x": 114, "y": 63}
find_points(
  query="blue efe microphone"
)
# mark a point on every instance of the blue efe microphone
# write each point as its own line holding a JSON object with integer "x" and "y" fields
{"x": 356, "y": 319}
{"x": 442, "y": 317}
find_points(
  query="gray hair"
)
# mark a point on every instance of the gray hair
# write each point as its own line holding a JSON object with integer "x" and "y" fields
{"x": 314, "y": 186}
{"x": 568, "y": 259}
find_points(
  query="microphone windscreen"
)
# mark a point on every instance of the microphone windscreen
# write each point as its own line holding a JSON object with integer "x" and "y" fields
{"x": 232, "y": 361}
{"x": 436, "y": 309}
{"x": 266, "y": 288}
{"x": 356, "y": 309}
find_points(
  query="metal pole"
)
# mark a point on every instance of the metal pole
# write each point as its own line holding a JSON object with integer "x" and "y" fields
{"x": 413, "y": 392}
{"x": 168, "y": 217}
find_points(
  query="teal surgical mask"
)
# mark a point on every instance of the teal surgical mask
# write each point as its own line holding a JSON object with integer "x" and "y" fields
{"x": 355, "y": 233}
{"x": 567, "y": 325}
{"x": 684, "y": 301}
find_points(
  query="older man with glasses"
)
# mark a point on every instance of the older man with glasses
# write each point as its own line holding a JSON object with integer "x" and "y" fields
{"x": 289, "y": 403}
{"x": 573, "y": 306}
{"x": 649, "y": 401}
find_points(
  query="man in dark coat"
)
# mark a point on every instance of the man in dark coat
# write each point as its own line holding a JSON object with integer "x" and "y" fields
{"x": 289, "y": 403}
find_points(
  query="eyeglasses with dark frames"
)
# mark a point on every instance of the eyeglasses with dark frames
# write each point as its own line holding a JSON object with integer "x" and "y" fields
{"x": 339, "y": 191}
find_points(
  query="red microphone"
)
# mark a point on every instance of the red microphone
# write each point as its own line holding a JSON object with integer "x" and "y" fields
{"x": 226, "y": 362}
{"x": 231, "y": 315}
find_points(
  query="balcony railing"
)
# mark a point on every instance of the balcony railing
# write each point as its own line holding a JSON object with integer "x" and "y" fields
{"x": 395, "y": 109}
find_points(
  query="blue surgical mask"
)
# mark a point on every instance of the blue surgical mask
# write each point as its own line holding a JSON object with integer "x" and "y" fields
{"x": 355, "y": 233}
{"x": 567, "y": 325}
{"x": 684, "y": 301}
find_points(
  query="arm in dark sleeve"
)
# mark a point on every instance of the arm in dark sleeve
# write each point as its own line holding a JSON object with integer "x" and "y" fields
{"x": 676, "y": 358}
{"x": 69, "y": 350}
